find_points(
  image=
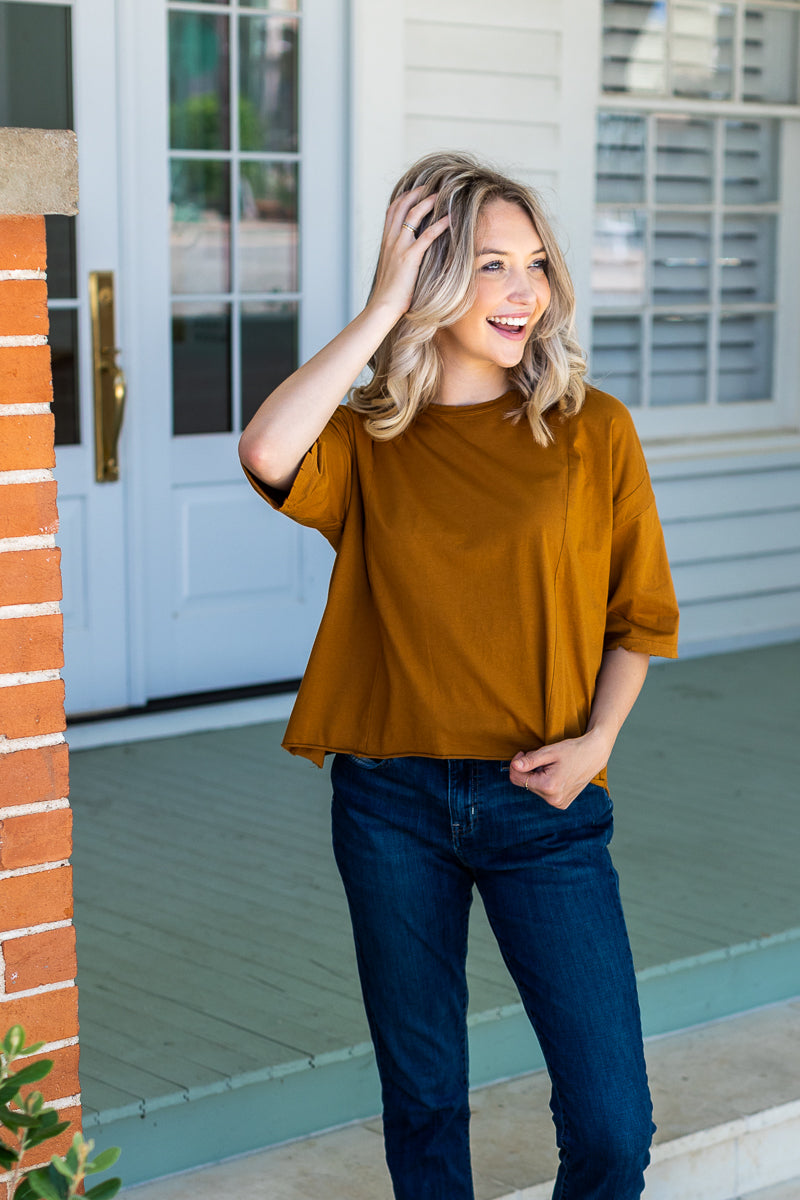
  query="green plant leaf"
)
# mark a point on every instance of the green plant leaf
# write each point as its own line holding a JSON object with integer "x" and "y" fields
{"x": 8, "y": 1157}
{"x": 24, "y": 1191}
{"x": 104, "y": 1190}
{"x": 18, "y": 1120}
{"x": 104, "y": 1161}
{"x": 44, "y": 1135}
{"x": 14, "y": 1041}
{"x": 63, "y": 1166}
{"x": 8, "y": 1091}
{"x": 32, "y": 1073}
{"x": 43, "y": 1186}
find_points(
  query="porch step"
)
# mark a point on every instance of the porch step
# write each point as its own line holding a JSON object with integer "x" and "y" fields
{"x": 727, "y": 1104}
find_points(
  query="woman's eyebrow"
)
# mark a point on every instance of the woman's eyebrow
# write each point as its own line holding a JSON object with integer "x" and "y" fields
{"x": 480, "y": 253}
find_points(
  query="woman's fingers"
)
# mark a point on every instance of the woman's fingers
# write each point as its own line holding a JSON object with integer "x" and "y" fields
{"x": 403, "y": 247}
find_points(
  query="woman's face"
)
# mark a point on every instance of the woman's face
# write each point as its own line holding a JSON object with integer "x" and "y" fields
{"x": 513, "y": 292}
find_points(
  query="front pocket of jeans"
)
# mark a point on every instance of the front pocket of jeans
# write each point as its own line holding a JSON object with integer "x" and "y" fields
{"x": 369, "y": 764}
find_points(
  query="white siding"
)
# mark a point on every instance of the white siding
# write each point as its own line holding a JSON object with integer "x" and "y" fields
{"x": 488, "y": 81}
{"x": 733, "y": 537}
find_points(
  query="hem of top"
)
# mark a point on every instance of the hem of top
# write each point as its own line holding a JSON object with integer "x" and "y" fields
{"x": 312, "y": 752}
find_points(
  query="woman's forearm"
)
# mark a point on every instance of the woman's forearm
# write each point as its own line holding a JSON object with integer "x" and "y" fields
{"x": 293, "y": 416}
{"x": 619, "y": 682}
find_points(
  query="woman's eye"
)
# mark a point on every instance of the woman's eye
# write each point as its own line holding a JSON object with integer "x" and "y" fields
{"x": 539, "y": 264}
{"x": 497, "y": 265}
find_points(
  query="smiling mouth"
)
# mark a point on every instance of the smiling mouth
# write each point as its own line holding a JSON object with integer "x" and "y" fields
{"x": 509, "y": 327}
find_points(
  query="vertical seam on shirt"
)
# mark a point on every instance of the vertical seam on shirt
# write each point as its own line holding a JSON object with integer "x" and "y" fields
{"x": 555, "y": 576}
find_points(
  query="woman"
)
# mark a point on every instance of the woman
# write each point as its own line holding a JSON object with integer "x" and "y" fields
{"x": 500, "y": 583}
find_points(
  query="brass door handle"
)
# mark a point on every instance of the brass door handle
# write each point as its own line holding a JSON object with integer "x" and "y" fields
{"x": 110, "y": 388}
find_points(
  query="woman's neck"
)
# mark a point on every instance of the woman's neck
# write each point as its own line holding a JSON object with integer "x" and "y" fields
{"x": 471, "y": 386}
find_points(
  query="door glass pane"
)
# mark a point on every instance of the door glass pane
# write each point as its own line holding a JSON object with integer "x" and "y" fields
{"x": 618, "y": 258}
{"x": 702, "y": 51}
{"x": 682, "y": 259}
{"x": 616, "y": 364}
{"x": 201, "y": 368}
{"x": 35, "y": 66}
{"x": 634, "y": 46}
{"x": 269, "y": 350}
{"x": 751, "y": 162}
{"x": 771, "y": 37}
{"x": 234, "y": 208}
{"x": 36, "y": 93}
{"x": 748, "y": 259}
{"x": 267, "y": 83}
{"x": 745, "y": 357}
{"x": 679, "y": 372}
{"x": 281, "y": 5}
{"x": 268, "y": 227}
{"x": 200, "y": 226}
{"x": 62, "y": 275}
{"x": 199, "y": 113}
{"x": 64, "y": 357}
{"x": 684, "y": 160}
{"x": 621, "y": 160}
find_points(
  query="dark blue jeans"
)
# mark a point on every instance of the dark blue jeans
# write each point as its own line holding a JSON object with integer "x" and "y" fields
{"x": 411, "y": 837}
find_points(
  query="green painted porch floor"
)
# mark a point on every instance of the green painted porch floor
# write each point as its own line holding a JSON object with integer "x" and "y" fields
{"x": 213, "y": 939}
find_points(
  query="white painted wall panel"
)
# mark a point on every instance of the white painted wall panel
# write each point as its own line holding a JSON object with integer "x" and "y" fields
{"x": 736, "y": 536}
{"x": 479, "y": 94}
{"x": 742, "y": 492}
{"x": 447, "y": 46}
{"x": 510, "y": 145}
{"x": 738, "y": 622}
{"x": 733, "y": 540}
{"x": 514, "y": 14}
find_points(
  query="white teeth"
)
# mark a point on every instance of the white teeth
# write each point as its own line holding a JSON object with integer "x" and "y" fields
{"x": 517, "y": 322}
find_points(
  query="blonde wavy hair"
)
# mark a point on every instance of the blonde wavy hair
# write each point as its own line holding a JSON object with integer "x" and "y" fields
{"x": 406, "y": 367}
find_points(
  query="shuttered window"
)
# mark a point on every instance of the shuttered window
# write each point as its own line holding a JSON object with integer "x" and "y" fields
{"x": 686, "y": 246}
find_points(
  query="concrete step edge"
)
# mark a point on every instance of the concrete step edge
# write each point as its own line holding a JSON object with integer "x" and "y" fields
{"x": 723, "y": 1162}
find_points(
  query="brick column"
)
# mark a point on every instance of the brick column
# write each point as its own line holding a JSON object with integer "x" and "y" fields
{"x": 38, "y": 174}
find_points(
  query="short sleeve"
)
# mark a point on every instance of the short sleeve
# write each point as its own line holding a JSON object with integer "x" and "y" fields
{"x": 320, "y": 494}
{"x": 642, "y": 612}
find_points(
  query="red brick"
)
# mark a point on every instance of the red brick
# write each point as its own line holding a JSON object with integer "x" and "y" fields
{"x": 36, "y": 899}
{"x": 28, "y": 509}
{"x": 31, "y": 643}
{"x": 60, "y": 1145}
{"x": 30, "y": 576}
{"x": 26, "y": 442}
{"x": 40, "y": 958}
{"x": 34, "y": 838}
{"x": 32, "y": 708}
{"x": 26, "y": 375}
{"x": 23, "y": 307}
{"x": 62, "y": 1080}
{"x": 31, "y": 776}
{"x": 22, "y": 244}
{"x": 48, "y": 1017}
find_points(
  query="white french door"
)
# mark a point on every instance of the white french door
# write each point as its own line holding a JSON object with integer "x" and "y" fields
{"x": 234, "y": 264}
{"x": 212, "y": 185}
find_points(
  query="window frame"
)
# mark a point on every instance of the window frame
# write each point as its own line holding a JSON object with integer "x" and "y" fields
{"x": 780, "y": 413}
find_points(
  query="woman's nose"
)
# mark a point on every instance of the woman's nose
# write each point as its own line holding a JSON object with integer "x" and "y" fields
{"x": 522, "y": 285}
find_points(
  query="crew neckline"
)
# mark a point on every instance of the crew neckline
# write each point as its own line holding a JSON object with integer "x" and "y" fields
{"x": 465, "y": 409}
